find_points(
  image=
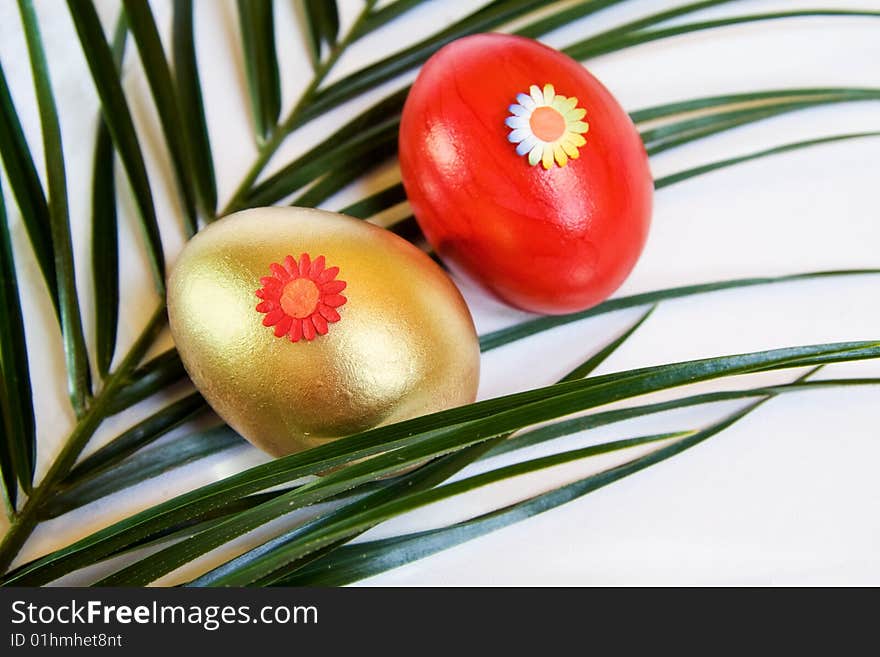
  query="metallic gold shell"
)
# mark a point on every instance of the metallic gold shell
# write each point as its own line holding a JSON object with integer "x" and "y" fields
{"x": 405, "y": 344}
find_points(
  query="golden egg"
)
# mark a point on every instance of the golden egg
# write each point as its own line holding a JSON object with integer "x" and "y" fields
{"x": 300, "y": 326}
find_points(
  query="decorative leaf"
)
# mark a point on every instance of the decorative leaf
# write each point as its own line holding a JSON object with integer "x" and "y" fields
{"x": 562, "y": 428}
{"x": 563, "y": 399}
{"x": 382, "y": 200}
{"x": 762, "y": 97}
{"x": 706, "y": 168}
{"x": 355, "y": 167}
{"x": 146, "y": 35}
{"x": 105, "y": 236}
{"x": 192, "y": 108}
{"x": 374, "y": 125}
{"x": 483, "y": 20}
{"x": 18, "y": 449}
{"x": 117, "y": 118}
{"x": 379, "y": 17}
{"x": 322, "y": 26}
{"x": 510, "y": 334}
{"x": 602, "y": 355}
{"x": 147, "y": 463}
{"x": 422, "y": 478}
{"x": 595, "y": 46}
{"x": 75, "y": 354}
{"x": 138, "y": 436}
{"x": 148, "y": 379}
{"x": 28, "y": 190}
{"x": 261, "y": 63}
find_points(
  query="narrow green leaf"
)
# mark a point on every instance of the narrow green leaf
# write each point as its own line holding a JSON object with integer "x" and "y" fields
{"x": 322, "y": 23}
{"x": 435, "y": 434}
{"x": 151, "y": 377}
{"x": 137, "y": 437}
{"x": 422, "y": 478}
{"x": 376, "y": 124}
{"x": 8, "y": 482}
{"x": 602, "y": 355}
{"x": 569, "y": 397}
{"x": 380, "y": 17}
{"x": 28, "y": 190}
{"x": 565, "y": 17}
{"x": 261, "y": 63}
{"x": 563, "y": 428}
{"x": 269, "y": 568}
{"x": 105, "y": 231}
{"x": 192, "y": 107}
{"x": 510, "y": 334}
{"x": 706, "y": 168}
{"x": 75, "y": 354}
{"x": 117, "y": 118}
{"x": 355, "y": 167}
{"x": 482, "y": 20}
{"x": 105, "y": 251}
{"x": 354, "y": 562}
{"x": 146, "y": 35}
{"x": 595, "y": 46}
{"x": 761, "y": 97}
{"x": 376, "y": 203}
{"x": 675, "y": 129}
{"x": 143, "y": 465}
{"x": 19, "y": 446}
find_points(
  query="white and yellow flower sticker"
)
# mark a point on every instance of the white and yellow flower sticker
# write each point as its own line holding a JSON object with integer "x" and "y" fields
{"x": 547, "y": 126}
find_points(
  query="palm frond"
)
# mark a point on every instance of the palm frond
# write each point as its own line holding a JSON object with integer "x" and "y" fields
{"x": 322, "y": 23}
{"x": 155, "y": 65}
{"x": 192, "y": 107}
{"x": 18, "y": 451}
{"x": 28, "y": 190}
{"x": 255, "y": 17}
{"x": 78, "y": 374}
{"x": 117, "y": 118}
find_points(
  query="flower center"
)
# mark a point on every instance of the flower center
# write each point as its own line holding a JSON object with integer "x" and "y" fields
{"x": 299, "y": 298}
{"x": 547, "y": 124}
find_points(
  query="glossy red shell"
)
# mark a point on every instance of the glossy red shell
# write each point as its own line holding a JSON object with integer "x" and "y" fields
{"x": 548, "y": 241}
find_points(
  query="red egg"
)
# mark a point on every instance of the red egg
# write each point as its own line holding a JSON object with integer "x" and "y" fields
{"x": 524, "y": 172}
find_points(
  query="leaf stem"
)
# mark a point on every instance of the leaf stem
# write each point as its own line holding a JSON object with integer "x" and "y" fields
{"x": 24, "y": 523}
{"x": 295, "y": 117}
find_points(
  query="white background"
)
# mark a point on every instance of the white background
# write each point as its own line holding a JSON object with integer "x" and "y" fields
{"x": 790, "y": 495}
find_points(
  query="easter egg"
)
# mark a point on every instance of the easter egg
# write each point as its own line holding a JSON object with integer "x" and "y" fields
{"x": 300, "y": 326}
{"x": 525, "y": 173}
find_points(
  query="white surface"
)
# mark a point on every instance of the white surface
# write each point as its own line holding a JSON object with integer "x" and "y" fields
{"x": 788, "y": 496}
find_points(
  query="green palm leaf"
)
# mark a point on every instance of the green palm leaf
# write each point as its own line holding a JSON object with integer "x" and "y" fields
{"x": 706, "y": 168}
{"x": 146, "y": 35}
{"x": 615, "y": 40}
{"x": 351, "y": 563}
{"x": 147, "y": 463}
{"x": 561, "y": 399}
{"x": 510, "y": 334}
{"x": 426, "y": 436}
{"x": 423, "y": 478}
{"x": 105, "y": 232}
{"x": 19, "y": 448}
{"x": 322, "y": 23}
{"x": 192, "y": 108}
{"x": 76, "y": 356}
{"x": 104, "y": 66}
{"x": 257, "y": 24}
{"x": 142, "y": 434}
{"x": 28, "y": 190}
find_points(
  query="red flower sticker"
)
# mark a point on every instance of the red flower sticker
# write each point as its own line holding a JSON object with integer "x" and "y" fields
{"x": 300, "y": 298}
